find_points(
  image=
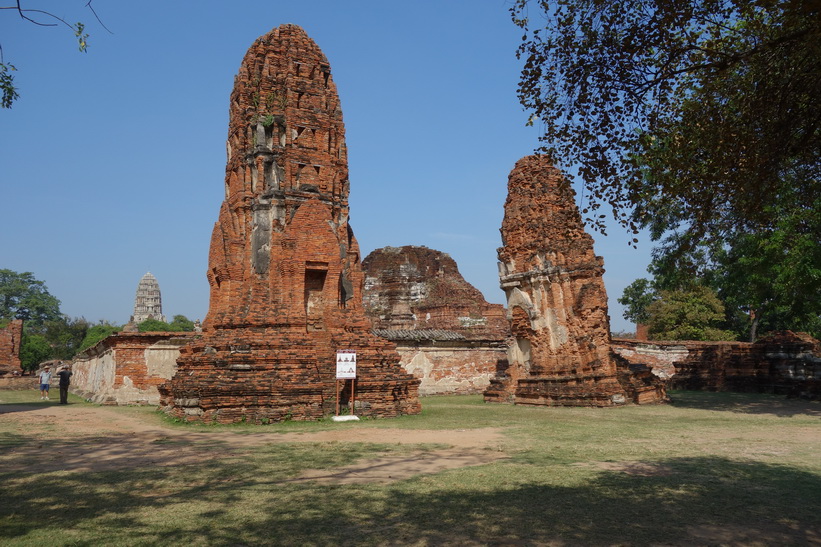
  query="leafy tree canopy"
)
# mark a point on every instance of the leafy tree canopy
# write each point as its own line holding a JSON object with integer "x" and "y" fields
{"x": 96, "y": 333}
{"x": 636, "y": 298}
{"x": 179, "y": 323}
{"x": 694, "y": 314}
{"x": 64, "y": 336}
{"x": 769, "y": 279}
{"x": 34, "y": 349}
{"x": 153, "y": 325}
{"x": 680, "y": 114}
{"x": 24, "y": 297}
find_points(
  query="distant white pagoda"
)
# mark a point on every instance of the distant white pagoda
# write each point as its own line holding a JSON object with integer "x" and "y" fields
{"x": 148, "y": 302}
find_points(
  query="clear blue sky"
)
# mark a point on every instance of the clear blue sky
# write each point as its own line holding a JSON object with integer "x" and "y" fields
{"x": 113, "y": 160}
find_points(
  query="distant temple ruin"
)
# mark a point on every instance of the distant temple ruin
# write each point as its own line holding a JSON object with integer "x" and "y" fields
{"x": 148, "y": 301}
{"x": 284, "y": 266}
{"x": 556, "y": 302}
{"x": 446, "y": 333}
{"x": 417, "y": 288}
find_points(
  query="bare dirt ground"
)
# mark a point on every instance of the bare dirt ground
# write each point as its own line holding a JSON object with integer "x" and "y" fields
{"x": 92, "y": 438}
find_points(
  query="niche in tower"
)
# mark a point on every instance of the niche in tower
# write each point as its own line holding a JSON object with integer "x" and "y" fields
{"x": 315, "y": 274}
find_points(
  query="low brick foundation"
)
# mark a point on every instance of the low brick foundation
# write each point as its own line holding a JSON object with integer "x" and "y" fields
{"x": 126, "y": 368}
{"x": 784, "y": 363}
{"x": 19, "y": 383}
{"x": 452, "y": 368}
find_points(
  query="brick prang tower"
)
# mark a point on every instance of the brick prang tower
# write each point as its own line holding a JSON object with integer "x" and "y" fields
{"x": 148, "y": 300}
{"x": 557, "y": 303}
{"x": 284, "y": 266}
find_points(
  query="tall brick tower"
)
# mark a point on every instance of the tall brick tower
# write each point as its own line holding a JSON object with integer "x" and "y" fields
{"x": 284, "y": 266}
{"x": 556, "y": 301}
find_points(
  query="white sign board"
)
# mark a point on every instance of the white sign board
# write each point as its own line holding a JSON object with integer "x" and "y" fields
{"x": 345, "y": 364}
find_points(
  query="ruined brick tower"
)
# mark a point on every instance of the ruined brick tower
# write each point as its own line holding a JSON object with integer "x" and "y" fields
{"x": 284, "y": 266}
{"x": 557, "y": 302}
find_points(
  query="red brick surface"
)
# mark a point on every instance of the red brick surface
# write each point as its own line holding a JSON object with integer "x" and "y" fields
{"x": 557, "y": 302}
{"x": 127, "y": 367}
{"x": 782, "y": 362}
{"x": 420, "y": 288}
{"x": 284, "y": 266}
{"x": 10, "y": 347}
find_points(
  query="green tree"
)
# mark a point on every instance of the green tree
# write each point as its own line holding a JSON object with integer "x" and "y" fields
{"x": 64, "y": 336}
{"x": 769, "y": 278}
{"x": 682, "y": 115}
{"x": 774, "y": 275}
{"x": 96, "y": 333}
{"x": 637, "y": 297}
{"x": 181, "y": 323}
{"x": 24, "y": 297}
{"x": 39, "y": 18}
{"x": 34, "y": 349}
{"x": 153, "y": 325}
{"x": 694, "y": 314}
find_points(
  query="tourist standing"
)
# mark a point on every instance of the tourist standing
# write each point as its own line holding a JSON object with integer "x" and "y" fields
{"x": 45, "y": 380}
{"x": 65, "y": 381}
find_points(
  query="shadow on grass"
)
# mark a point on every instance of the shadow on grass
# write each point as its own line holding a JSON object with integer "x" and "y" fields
{"x": 7, "y": 408}
{"x": 700, "y": 501}
{"x": 746, "y": 403}
{"x": 12, "y": 401}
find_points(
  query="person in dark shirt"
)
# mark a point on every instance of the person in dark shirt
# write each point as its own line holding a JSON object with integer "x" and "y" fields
{"x": 65, "y": 381}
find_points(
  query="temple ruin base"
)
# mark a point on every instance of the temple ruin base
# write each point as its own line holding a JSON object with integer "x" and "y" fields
{"x": 292, "y": 377}
{"x": 634, "y": 384}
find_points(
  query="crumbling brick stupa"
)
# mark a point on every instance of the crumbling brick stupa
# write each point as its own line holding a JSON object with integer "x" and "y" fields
{"x": 556, "y": 302}
{"x": 416, "y": 288}
{"x": 284, "y": 266}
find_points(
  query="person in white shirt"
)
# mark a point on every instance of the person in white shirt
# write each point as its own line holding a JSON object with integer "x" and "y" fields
{"x": 45, "y": 380}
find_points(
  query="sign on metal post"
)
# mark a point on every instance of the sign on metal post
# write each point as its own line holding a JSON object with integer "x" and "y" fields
{"x": 346, "y": 370}
{"x": 345, "y": 364}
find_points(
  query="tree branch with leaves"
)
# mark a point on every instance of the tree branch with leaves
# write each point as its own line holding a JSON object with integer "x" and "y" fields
{"x": 39, "y": 18}
{"x": 680, "y": 115}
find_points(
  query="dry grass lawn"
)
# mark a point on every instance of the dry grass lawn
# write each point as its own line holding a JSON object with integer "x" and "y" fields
{"x": 709, "y": 469}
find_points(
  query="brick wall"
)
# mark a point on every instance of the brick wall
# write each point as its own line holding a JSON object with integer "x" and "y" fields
{"x": 10, "y": 347}
{"x": 785, "y": 362}
{"x": 126, "y": 368}
{"x": 452, "y": 367}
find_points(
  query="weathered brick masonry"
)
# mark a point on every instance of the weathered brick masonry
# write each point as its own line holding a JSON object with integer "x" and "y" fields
{"x": 10, "y": 337}
{"x": 127, "y": 368}
{"x": 411, "y": 288}
{"x": 447, "y": 364}
{"x": 446, "y": 333}
{"x": 784, "y": 362}
{"x": 284, "y": 266}
{"x": 556, "y": 302}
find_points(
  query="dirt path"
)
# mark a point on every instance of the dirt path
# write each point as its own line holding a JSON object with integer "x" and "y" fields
{"x": 92, "y": 438}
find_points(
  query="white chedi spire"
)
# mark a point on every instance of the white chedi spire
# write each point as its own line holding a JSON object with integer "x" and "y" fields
{"x": 148, "y": 302}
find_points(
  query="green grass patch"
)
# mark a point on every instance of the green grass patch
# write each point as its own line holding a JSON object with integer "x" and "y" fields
{"x": 710, "y": 468}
